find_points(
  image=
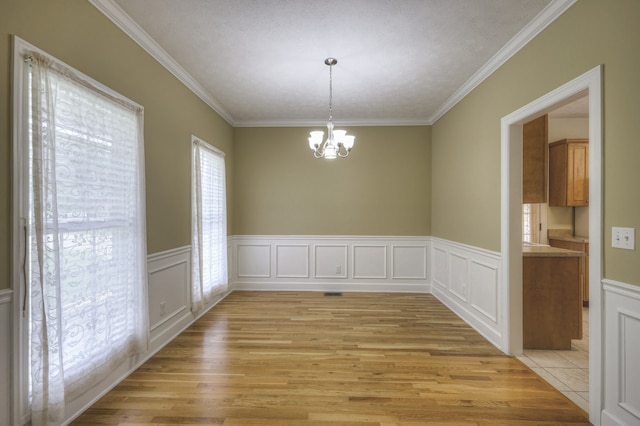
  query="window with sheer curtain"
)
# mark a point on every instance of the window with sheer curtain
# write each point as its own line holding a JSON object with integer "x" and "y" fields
{"x": 209, "y": 225}
{"x": 85, "y": 233}
{"x": 531, "y": 223}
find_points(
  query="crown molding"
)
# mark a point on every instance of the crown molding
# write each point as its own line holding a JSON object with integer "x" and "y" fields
{"x": 320, "y": 123}
{"x": 123, "y": 21}
{"x": 120, "y": 18}
{"x": 524, "y": 36}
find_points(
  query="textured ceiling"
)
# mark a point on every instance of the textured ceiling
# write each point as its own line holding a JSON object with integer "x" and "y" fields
{"x": 261, "y": 62}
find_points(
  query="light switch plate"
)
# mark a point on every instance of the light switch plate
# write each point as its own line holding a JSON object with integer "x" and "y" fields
{"x": 624, "y": 238}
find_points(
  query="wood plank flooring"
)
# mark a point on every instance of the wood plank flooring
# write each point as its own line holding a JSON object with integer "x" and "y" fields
{"x": 302, "y": 358}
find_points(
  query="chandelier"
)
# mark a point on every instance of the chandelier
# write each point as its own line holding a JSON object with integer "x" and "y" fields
{"x": 338, "y": 143}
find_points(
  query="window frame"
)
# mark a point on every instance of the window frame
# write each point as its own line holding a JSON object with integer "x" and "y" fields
{"x": 20, "y": 404}
{"x": 195, "y": 141}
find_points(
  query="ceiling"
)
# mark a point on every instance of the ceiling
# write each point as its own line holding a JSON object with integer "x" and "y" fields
{"x": 400, "y": 62}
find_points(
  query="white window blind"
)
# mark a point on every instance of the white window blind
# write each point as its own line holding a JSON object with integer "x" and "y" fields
{"x": 209, "y": 236}
{"x": 86, "y": 275}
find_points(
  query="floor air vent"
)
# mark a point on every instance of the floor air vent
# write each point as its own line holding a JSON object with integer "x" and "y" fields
{"x": 333, "y": 294}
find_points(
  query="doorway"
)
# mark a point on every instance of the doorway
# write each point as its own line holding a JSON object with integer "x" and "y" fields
{"x": 559, "y": 220}
{"x": 511, "y": 224}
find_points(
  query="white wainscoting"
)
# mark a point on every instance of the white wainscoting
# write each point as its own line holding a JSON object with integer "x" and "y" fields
{"x": 621, "y": 339}
{"x": 169, "y": 277}
{"x": 466, "y": 279}
{"x": 6, "y": 345}
{"x": 330, "y": 263}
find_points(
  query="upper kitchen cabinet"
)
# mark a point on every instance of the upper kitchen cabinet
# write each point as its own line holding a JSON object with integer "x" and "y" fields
{"x": 534, "y": 161}
{"x": 569, "y": 173}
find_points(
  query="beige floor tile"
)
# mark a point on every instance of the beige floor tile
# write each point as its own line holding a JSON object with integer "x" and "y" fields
{"x": 567, "y": 371}
{"x": 579, "y": 358}
{"x": 548, "y": 359}
{"x": 576, "y": 379}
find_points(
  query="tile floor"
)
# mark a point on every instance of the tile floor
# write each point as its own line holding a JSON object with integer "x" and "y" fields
{"x": 567, "y": 371}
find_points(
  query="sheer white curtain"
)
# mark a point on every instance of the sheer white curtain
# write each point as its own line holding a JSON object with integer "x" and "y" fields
{"x": 531, "y": 223}
{"x": 86, "y": 235}
{"x": 209, "y": 225}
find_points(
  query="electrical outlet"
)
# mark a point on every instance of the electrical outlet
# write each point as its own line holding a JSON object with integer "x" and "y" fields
{"x": 162, "y": 308}
{"x": 624, "y": 238}
{"x": 338, "y": 269}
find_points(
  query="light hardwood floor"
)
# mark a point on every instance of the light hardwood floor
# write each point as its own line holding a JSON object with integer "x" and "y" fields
{"x": 302, "y": 358}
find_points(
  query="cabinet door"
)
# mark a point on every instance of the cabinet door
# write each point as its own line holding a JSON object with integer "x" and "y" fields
{"x": 534, "y": 161}
{"x": 578, "y": 175}
{"x": 569, "y": 173}
{"x": 584, "y": 263}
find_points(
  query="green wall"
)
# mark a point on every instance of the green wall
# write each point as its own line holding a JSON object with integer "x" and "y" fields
{"x": 78, "y": 34}
{"x": 466, "y": 141}
{"x": 382, "y": 188}
{"x": 442, "y": 180}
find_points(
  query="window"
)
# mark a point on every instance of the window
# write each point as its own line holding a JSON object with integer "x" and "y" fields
{"x": 82, "y": 191}
{"x": 209, "y": 225}
{"x": 531, "y": 223}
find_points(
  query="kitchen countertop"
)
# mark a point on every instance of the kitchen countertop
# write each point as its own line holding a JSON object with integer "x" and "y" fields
{"x": 546, "y": 251}
{"x": 571, "y": 238}
{"x": 565, "y": 235}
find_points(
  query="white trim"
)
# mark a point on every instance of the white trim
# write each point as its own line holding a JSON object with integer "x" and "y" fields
{"x": 354, "y": 274}
{"x": 123, "y": 21}
{"x": 305, "y": 238}
{"x": 511, "y": 230}
{"x": 320, "y": 286}
{"x": 472, "y": 249}
{"x": 197, "y": 141}
{"x": 306, "y": 265}
{"x": 162, "y": 255}
{"x": 623, "y": 289}
{"x": 341, "y": 123}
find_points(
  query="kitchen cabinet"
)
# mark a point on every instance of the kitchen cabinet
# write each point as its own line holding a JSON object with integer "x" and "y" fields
{"x": 552, "y": 297}
{"x": 569, "y": 173}
{"x": 535, "y": 154}
{"x": 577, "y": 244}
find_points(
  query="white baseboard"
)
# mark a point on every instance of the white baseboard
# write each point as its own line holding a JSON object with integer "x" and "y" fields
{"x": 333, "y": 287}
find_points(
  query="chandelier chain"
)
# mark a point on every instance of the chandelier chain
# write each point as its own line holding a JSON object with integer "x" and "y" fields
{"x": 330, "y": 92}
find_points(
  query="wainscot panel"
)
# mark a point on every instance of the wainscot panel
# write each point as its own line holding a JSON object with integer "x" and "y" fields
{"x": 330, "y": 263}
{"x": 621, "y": 339}
{"x": 169, "y": 279}
{"x": 6, "y": 320}
{"x": 466, "y": 279}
